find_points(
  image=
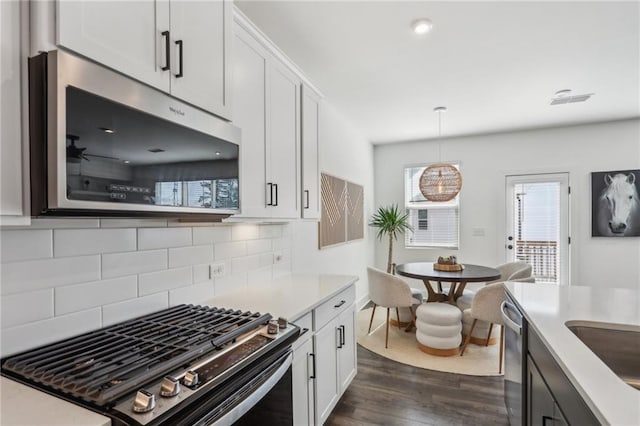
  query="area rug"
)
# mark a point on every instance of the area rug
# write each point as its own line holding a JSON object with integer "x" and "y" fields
{"x": 403, "y": 347}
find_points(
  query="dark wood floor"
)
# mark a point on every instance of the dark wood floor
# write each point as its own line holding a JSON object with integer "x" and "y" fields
{"x": 385, "y": 392}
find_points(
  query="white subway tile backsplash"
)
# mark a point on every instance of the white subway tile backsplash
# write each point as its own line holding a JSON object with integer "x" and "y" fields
{"x": 213, "y": 234}
{"x": 258, "y": 246}
{"x": 230, "y": 250}
{"x": 58, "y": 223}
{"x": 127, "y": 268}
{"x": 201, "y": 273}
{"x": 16, "y": 339}
{"x": 245, "y": 232}
{"x": 25, "y": 245}
{"x": 195, "y": 294}
{"x": 84, "y": 296}
{"x": 270, "y": 231}
{"x": 136, "y": 262}
{"x": 133, "y": 223}
{"x": 155, "y": 282}
{"x": 122, "y": 311}
{"x": 153, "y": 238}
{"x": 33, "y": 275}
{"x": 260, "y": 276}
{"x": 190, "y": 255}
{"x": 281, "y": 270}
{"x": 21, "y": 308}
{"x": 76, "y": 242}
{"x": 230, "y": 283}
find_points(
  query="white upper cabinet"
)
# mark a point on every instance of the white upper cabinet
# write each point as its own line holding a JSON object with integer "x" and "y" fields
{"x": 126, "y": 36}
{"x": 12, "y": 207}
{"x": 283, "y": 142}
{"x": 310, "y": 172}
{"x": 249, "y": 113}
{"x": 200, "y": 44}
{"x": 178, "y": 46}
{"x": 266, "y": 106}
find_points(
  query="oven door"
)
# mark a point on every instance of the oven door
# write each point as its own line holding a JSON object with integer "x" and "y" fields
{"x": 260, "y": 395}
{"x": 104, "y": 142}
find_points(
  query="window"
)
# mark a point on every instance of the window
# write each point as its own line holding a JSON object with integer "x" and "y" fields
{"x": 218, "y": 193}
{"x": 434, "y": 224}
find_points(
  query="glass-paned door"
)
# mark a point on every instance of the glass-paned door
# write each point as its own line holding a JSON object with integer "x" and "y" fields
{"x": 538, "y": 224}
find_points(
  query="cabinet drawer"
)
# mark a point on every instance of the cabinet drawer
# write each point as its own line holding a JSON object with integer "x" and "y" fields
{"x": 334, "y": 306}
{"x": 304, "y": 322}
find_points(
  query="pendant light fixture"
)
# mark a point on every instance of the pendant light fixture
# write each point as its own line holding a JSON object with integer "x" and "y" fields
{"x": 440, "y": 182}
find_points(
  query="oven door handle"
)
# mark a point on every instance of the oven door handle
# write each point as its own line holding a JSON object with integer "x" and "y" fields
{"x": 247, "y": 404}
{"x": 506, "y": 306}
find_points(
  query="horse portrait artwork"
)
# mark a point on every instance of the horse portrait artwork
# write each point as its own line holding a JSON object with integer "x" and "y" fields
{"x": 615, "y": 204}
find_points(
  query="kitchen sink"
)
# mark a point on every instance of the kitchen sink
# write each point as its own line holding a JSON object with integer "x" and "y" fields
{"x": 618, "y": 346}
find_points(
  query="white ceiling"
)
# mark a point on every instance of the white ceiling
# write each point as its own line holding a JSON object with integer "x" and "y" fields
{"x": 495, "y": 65}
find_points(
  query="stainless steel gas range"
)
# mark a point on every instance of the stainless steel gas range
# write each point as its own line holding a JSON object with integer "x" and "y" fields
{"x": 187, "y": 365}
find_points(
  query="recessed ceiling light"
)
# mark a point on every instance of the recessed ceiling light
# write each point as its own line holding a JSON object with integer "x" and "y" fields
{"x": 107, "y": 130}
{"x": 421, "y": 26}
{"x": 218, "y": 153}
{"x": 126, "y": 161}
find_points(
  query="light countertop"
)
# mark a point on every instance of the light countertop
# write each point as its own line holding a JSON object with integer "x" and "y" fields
{"x": 289, "y": 297}
{"x": 25, "y": 406}
{"x": 548, "y": 307}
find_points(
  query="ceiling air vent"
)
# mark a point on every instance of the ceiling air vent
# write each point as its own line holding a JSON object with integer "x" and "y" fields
{"x": 565, "y": 97}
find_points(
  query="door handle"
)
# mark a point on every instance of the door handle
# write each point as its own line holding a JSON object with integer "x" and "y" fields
{"x": 339, "y": 330}
{"x": 342, "y": 335}
{"x": 342, "y": 302}
{"x": 306, "y": 192}
{"x": 276, "y": 186}
{"x": 270, "y": 185}
{"x": 167, "y": 50}
{"x": 180, "y": 49}
{"x": 313, "y": 365}
{"x": 507, "y": 320}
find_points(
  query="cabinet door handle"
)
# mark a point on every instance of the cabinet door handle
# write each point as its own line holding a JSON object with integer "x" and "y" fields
{"x": 276, "y": 202}
{"x": 180, "y": 49}
{"x": 270, "y": 185}
{"x": 339, "y": 330}
{"x": 306, "y": 193}
{"x": 342, "y": 335}
{"x": 342, "y": 302}
{"x": 313, "y": 365}
{"x": 167, "y": 50}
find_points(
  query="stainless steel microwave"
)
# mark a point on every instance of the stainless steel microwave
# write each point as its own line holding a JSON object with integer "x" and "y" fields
{"x": 102, "y": 144}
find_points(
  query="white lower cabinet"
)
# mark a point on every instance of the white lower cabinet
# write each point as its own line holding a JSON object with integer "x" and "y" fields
{"x": 335, "y": 361}
{"x": 303, "y": 384}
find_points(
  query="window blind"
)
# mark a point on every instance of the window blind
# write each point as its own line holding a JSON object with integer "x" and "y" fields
{"x": 537, "y": 220}
{"x": 434, "y": 224}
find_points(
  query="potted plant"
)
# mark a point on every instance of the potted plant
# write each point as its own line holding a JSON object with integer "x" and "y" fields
{"x": 391, "y": 222}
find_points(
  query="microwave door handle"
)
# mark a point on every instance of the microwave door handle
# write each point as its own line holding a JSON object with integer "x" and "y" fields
{"x": 507, "y": 320}
{"x": 167, "y": 50}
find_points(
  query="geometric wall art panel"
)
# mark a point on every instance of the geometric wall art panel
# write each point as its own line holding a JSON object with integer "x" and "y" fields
{"x": 342, "y": 211}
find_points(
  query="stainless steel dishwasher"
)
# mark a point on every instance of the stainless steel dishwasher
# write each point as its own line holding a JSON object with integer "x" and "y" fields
{"x": 514, "y": 361}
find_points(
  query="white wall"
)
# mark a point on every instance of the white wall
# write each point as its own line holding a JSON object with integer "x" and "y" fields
{"x": 487, "y": 159}
{"x": 344, "y": 153}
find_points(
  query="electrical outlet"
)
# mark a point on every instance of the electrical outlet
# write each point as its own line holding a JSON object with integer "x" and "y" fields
{"x": 216, "y": 270}
{"x": 277, "y": 257}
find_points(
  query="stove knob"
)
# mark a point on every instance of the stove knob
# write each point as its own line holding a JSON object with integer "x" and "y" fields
{"x": 145, "y": 401}
{"x": 170, "y": 387}
{"x": 190, "y": 378}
